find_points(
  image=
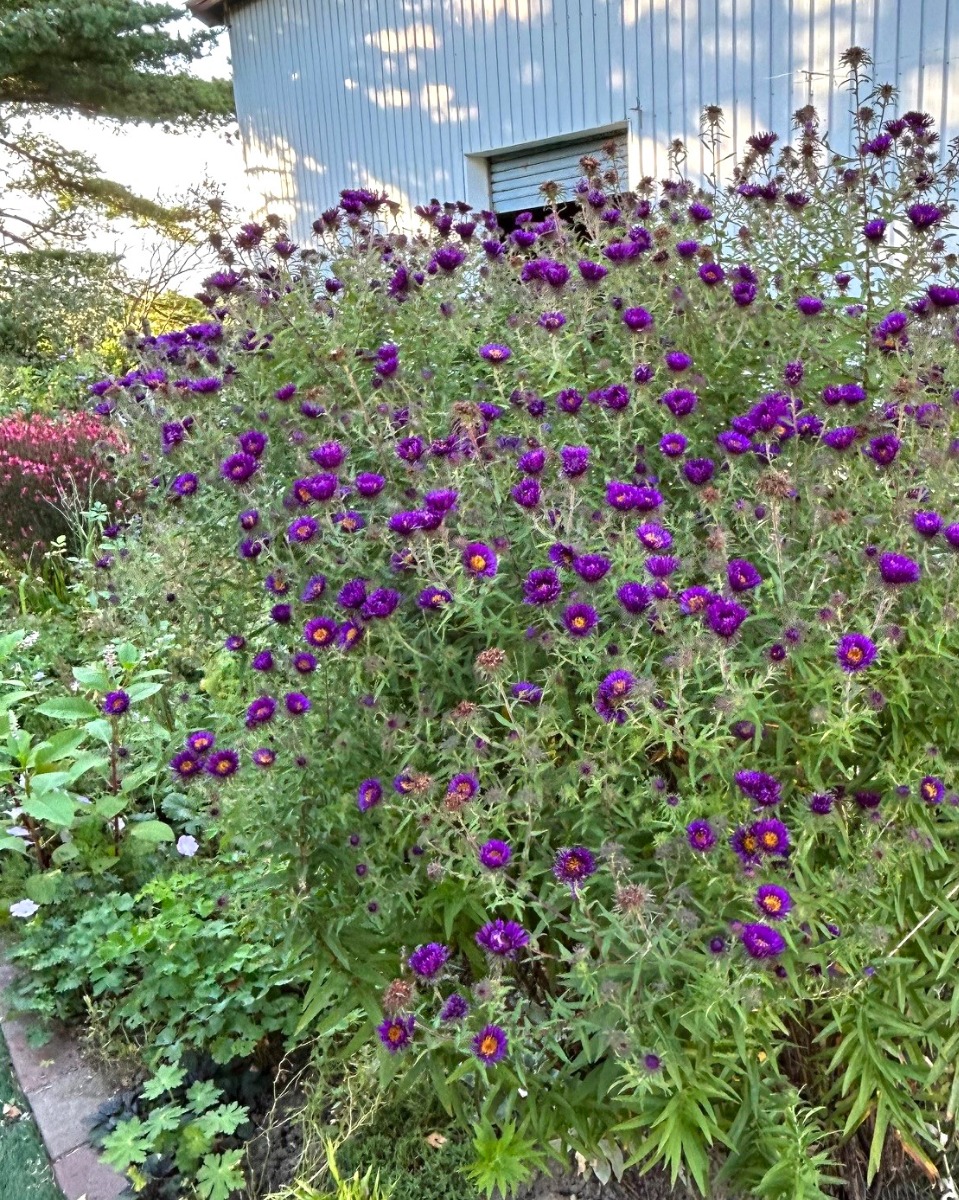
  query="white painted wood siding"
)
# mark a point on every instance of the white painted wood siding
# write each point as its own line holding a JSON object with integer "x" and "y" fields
{"x": 413, "y": 95}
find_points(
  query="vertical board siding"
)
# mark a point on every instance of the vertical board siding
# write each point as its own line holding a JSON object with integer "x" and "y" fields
{"x": 396, "y": 94}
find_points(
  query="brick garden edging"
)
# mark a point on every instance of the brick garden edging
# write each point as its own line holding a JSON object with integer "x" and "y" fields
{"x": 64, "y": 1090}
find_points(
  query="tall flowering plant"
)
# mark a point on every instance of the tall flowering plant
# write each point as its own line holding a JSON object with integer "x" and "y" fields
{"x": 593, "y": 589}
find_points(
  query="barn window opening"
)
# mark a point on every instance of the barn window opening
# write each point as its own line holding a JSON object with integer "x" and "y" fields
{"x": 517, "y": 176}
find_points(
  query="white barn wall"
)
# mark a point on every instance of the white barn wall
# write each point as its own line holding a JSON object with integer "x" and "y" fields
{"x": 398, "y": 93}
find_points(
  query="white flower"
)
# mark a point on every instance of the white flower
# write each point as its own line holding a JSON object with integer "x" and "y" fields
{"x": 187, "y": 845}
{"x": 24, "y": 908}
{"x": 30, "y": 640}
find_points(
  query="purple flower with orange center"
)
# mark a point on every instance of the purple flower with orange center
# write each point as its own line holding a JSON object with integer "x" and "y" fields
{"x": 329, "y": 455}
{"x": 883, "y": 449}
{"x": 762, "y": 941}
{"x": 695, "y": 600}
{"x": 185, "y": 484}
{"x": 699, "y": 471}
{"x": 772, "y": 837}
{"x": 494, "y": 854}
{"x": 773, "y": 901}
{"x": 673, "y": 445}
{"x": 490, "y": 1045}
{"x": 396, "y": 1033}
{"x": 742, "y": 575}
{"x": 264, "y": 757}
{"x": 296, "y": 703}
{"x": 428, "y": 961}
{"x": 479, "y": 560}
{"x": 725, "y": 616}
{"x": 932, "y": 789}
{"x": 463, "y": 787}
{"x": 186, "y": 764}
{"x": 855, "y": 652}
{"x": 573, "y": 865}
{"x": 580, "y": 619}
{"x": 222, "y": 763}
{"x": 526, "y": 692}
{"x": 700, "y": 836}
{"x": 762, "y": 789}
{"x": 200, "y": 742}
{"x": 653, "y": 536}
{"x": 260, "y": 711}
{"x": 249, "y": 519}
{"x": 302, "y": 530}
{"x": 348, "y": 635}
{"x": 620, "y": 495}
{"x": 502, "y": 938}
{"x": 434, "y": 598}
{"x": 745, "y": 844}
{"x": 349, "y": 522}
{"x": 679, "y": 401}
{"x": 369, "y": 484}
{"x": 495, "y": 352}
{"x": 368, "y": 794}
{"x": 116, "y": 703}
{"x": 238, "y": 468}
{"x": 320, "y": 631}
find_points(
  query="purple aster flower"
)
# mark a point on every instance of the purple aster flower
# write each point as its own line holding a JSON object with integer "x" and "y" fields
{"x": 841, "y": 438}
{"x": 262, "y": 661}
{"x": 661, "y": 566}
{"x": 772, "y": 837}
{"x": 455, "y": 1008}
{"x": 898, "y": 569}
{"x": 883, "y": 449}
{"x": 185, "y": 485}
{"x": 260, "y": 711}
{"x": 368, "y": 484}
{"x": 479, "y": 560}
{"x": 495, "y": 352}
{"x": 695, "y": 600}
{"x": 263, "y": 757}
{"x": 313, "y": 589}
{"x": 348, "y": 635}
{"x": 249, "y": 519}
{"x": 867, "y": 799}
{"x": 653, "y": 536}
{"x": 732, "y": 442}
{"x": 580, "y": 619}
{"x": 923, "y": 216}
{"x": 745, "y": 844}
{"x": 116, "y": 703}
{"x": 759, "y": 787}
{"x": 253, "y": 442}
{"x": 592, "y": 272}
{"x": 620, "y": 495}
{"x": 687, "y": 249}
{"x": 463, "y": 787}
{"x": 551, "y": 321}
{"x": 951, "y": 534}
{"x": 200, "y": 742}
{"x": 569, "y": 400}
{"x": 574, "y": 460}
{"x": 574, "y": 864}
{"x": 302, "y": 530}
{"x": 369, "y": 794}
{"x": 591, "y": 568}
{"x": 942, "y": 296}
{"x": 634, "y": 597}
{"x": 222, "y": 763}
{"x": 234, "y": 642}
{"x": 855, "y": 652}
{"x": 637, "y": 319}
{"x": 743, "y": 293}
{"x": 673, "y": 445}
{"x": 282, "y": 614}
{"x": 286, "y": 392}
{"x": 410, "y": 449}
{"x": 526, "y": 493}
{"x": 874, "y": 230}
{"x": 502, "y": 938}
{"x": 725, "y": 616}
{"x": 647, "y": 499}
{"x": 320, "y": 631}
{"x": 932, "y": 790}
{"x": 793, "y": 374}
{"x": 742, "y": 575}
{"x": 700, "y": 836}
{"x": 296, "y": 703}
{"x": 821, "y": 803}
{"x": 351, "y": 522}
{"x": 352, "y": 594}
{"x": 396, "y": 1033}
{"x": 711, "y": 274}
{"x": 761, "y": 941}
{"x": 434, "y": 598}
{"x": 679, "y": 401}
{"x": 773, "y": 901}
{"x": 494, "y": 854}
{"x": 238, "y": 468}
{"x": 699, "y": 470}
{"x": 381, "y": 603}
{"x": 810, "y": 306}
{"x": 927, "y": 524}
{"x": 186, "y": 764}
{"x": 526, "y": 692}
{"x": 443, "y": 500}
{"x": 700, "y": 212}
{"x": 490, "y": 1045}
{"x": 428, "y": 961}
{"x": 329, "y": 455}
{"x": 677, "y": 360}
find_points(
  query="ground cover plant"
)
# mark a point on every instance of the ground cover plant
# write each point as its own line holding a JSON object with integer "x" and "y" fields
{"x": 569, "y": 613}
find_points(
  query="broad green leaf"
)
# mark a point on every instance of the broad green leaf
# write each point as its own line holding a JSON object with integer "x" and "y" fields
{"x": 140, "y": 691}
{"x": 95, "y": 677}
{"x": 151, "y": 831}
{"x": 55, "y": 808}
{"x": 68, "y": 708}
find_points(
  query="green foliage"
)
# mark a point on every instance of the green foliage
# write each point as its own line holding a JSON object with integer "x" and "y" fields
{"x": 187, "y": 1129}
{"x": 503, "y": 1160}
{"x": 199, "y": 959}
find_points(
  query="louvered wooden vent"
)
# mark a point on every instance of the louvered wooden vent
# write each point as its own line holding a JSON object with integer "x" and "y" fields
{"x": 515, "y": 177}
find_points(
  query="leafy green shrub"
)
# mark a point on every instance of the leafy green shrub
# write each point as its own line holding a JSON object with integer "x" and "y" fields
{"x": 198, "y": 960}
{"x": 592, "y": 591}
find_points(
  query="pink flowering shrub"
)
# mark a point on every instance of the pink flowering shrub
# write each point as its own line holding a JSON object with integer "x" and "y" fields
{"x": 47, "y": 464}
{"x": 588, "y": 589}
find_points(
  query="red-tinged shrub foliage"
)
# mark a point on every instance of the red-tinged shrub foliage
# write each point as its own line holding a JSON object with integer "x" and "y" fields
{"x": 47, "y": 465}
